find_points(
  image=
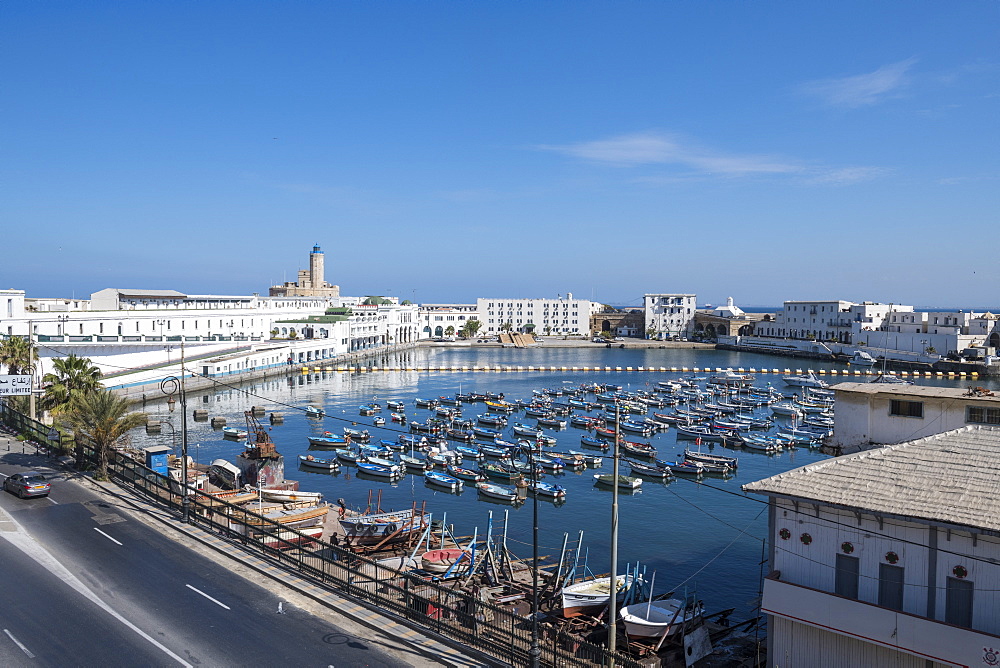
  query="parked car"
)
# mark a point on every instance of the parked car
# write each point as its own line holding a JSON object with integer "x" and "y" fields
{"x": 26, "y": 485}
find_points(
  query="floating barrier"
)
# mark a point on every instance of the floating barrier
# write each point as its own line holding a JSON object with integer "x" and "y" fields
{"x": 629, "y": 369}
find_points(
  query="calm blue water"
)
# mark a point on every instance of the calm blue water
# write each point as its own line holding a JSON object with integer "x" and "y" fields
{"x": 706, "y": 536}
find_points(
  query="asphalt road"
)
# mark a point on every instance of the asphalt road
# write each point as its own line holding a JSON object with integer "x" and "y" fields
{"x": 182, "y": 607}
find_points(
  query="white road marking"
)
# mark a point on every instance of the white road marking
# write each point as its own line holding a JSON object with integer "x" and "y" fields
{"x": 23, "y": 541}
{"x": 208, "y": 597}
{"x": 19, "y": 644}
{"x": 106, "y": 536}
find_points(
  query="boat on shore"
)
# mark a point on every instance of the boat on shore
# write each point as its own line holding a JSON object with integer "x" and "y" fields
{"x": 659, "y": 619}
{"x": 441, "y": 561}
{"x": 376, "y": 528}
{"x": 285, "y": 495}
{"x": 591, "y": 596}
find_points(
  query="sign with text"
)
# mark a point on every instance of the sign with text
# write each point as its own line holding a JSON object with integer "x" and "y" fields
{"x": 11, "y": 386}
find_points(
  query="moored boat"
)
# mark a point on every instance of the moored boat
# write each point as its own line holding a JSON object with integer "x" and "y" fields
{"x": 624, "y": 481}
{"x": 498, "y": 492}
{"x": 316, "y": 463}
{"x": 445, "y": 481}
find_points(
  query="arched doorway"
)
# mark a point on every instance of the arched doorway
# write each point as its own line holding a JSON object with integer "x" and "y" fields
{"x": 994, "y": 340}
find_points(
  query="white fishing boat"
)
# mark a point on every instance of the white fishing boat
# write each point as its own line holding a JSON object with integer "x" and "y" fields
{"x": 592, "y": 595}
{"x": 863, "y": 359}
{"x": 804, "y": 380}
{"x": 285, "y": 495}
{"x": 659, "y": 619}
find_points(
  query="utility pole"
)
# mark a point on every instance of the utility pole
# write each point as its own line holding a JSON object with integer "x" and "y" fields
{"x": 31, "y": 369}
{"x": 613, "y": 583}
{"x": 184, "y": 441}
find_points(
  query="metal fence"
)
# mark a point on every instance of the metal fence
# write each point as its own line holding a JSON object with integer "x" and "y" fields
{"x": 458, "y": 615}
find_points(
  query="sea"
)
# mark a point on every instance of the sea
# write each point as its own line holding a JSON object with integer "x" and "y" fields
{"x": 702, "y": 537}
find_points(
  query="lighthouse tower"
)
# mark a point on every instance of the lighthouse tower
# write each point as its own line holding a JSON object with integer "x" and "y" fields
{"x": 316, "y": 268}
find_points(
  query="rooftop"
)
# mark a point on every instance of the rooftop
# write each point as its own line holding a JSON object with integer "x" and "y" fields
{"x": 911, "y": 391}
{"x": 948, "y": 478}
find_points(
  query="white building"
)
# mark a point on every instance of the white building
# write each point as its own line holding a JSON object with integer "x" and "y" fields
{"x": 562, "y": 315}
{"x": 874, "y": 414}
{"x": 126, "y": 329}
{"x": 879, "y": 328}
{"x": 435, "y": 319}
{"x": 889, "y": 557}
{"x": 669, "y": 315}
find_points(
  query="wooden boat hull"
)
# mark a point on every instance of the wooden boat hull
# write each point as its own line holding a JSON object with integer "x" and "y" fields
{"x": 663, "y": 619}
{"x": 591, "y": 595}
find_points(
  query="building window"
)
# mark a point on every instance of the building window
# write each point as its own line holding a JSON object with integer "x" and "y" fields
{"x": 890, "y": 586}
{"x": 982, "y": 415}
{"x": 906, "y": 408}
{"x": 846, "y": 582}
{"x": 958, "y": 602}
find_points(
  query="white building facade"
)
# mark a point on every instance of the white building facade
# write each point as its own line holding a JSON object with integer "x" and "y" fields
{"x": 440, "y": 320}
{"x": 564, "y": 315}
{"x": 669, "y": 315}
{"x": 889, "y": 557}
{"x": 874, "y": 414}
{"x": 148, "y": 327}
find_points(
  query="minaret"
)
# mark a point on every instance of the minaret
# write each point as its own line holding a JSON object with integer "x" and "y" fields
{"x": 316, "y": 268}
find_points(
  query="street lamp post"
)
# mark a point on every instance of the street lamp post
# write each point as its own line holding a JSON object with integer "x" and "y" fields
{"x": 170, "y": 386}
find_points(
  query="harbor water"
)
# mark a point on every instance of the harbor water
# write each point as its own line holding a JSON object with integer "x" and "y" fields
{"x": 704, "y": 536}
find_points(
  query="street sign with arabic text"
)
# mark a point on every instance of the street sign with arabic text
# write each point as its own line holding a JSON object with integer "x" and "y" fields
{"x": 12, "y": 386}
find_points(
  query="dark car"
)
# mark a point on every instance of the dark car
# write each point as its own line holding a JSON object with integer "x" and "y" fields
{"x": 27, "y": 484}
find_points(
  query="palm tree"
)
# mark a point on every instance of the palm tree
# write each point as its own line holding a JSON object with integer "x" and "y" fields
{"x": 73, "y": 375}
{"x": 450, "y": 331}
{"x": 507, "y": 326}
{"x": 18, "y": 355}
{"x": 470, "y": 328}
{"x": 104, "y": 419}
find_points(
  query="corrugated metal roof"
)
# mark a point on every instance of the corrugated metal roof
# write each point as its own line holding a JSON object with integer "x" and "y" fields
{"x": 953, "y": 477}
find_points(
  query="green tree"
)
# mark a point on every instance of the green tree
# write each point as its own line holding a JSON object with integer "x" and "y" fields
{"x": 17, "y": 354}
{"x": 507, "y": 326}
{"x": 650, "y": 332}
{"x": 449, "y": 331}
{"x": 104, "y": 419}
{"x": 73, "y": 375}
{"x": 471, "y": 328}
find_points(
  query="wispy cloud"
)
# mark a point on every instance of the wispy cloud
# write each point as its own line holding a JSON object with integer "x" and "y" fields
{"x": 861, "y": 90}
{"x": 661, "y": 149}
{"x": 843, "y": 176}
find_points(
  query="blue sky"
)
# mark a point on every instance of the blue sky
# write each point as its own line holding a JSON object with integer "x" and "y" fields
{"x": 445, "y": 151}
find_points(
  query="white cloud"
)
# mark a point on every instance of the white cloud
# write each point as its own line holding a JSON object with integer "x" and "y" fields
{"x": 661, "y": 149}
{"x": 862, "y": 89}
